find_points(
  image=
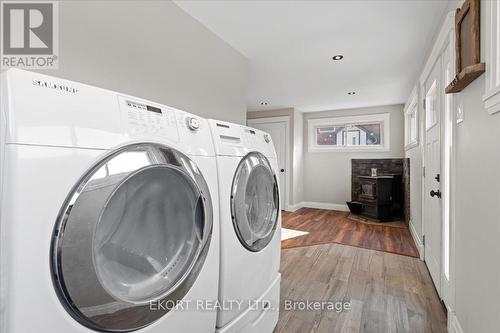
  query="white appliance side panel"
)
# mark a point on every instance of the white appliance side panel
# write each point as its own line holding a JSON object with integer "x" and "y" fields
{"x": 28, "y": 213}
{"x": 3, "y": 236}
{"x": 244, "y": 275}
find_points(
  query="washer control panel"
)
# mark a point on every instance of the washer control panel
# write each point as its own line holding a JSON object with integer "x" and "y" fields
{"x": 143, "y": 118}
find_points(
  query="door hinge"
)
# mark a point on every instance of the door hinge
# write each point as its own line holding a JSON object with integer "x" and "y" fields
{"x": 423, "y": 171}
{"x": 424, "y": 103}
{"x": 423, "y": 240}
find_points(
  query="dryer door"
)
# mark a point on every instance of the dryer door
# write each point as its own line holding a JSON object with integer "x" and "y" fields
{"x": 133, "y": 234}
{"x": 254, "y": 202}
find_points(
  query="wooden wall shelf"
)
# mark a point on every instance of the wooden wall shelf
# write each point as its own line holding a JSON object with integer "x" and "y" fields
{"x": 465, "y": 77}
{"x": 467, "y": 47}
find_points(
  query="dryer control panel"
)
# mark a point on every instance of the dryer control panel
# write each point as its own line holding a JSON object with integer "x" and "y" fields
{"x": 143, "y": 118}
{"x": 257, "y": 140}
{"x": 145, "y": 121}
{"x": 237, "y": 140}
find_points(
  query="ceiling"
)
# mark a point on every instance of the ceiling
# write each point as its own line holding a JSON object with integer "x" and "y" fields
{"x": 290, "y": 45}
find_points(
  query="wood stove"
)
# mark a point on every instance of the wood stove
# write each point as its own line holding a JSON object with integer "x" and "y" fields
{"x": 398, "y": 168}
{"x": 381, "y": 197}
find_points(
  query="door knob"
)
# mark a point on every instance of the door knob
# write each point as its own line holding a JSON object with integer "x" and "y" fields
{"x": 438, "y": 178}
{"x": 436, "y": 193}
{"x": 282, "y": 170}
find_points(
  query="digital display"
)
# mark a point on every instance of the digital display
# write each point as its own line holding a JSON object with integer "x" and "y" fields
{"x": 153, "y": 109}
{"x": 140, "y": 106}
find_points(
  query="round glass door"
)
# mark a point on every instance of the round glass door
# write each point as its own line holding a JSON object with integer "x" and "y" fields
{"x": 135, "y": 230}
{"x": 254, "y": 202}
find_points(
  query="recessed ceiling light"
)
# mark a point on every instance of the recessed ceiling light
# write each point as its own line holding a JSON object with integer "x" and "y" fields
{"x": 351, "y": 93}
{"x": 264, "y": 103}
{"x": 338, "y": 57}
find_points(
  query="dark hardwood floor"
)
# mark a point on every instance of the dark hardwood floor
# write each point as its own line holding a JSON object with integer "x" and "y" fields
{"x": 386, "y": 292}
{"x": 330, "y": 226}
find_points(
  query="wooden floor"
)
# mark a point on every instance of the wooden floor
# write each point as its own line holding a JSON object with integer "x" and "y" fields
{"x": 330, "y": 226}
{"x": 386, "y": 292}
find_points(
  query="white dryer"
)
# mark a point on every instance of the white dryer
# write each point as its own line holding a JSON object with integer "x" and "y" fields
{"x": 109, "y": 211}
{"x": 250, "y": 215}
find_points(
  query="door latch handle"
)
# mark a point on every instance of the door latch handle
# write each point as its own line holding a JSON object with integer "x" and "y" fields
{"x": 282, "y": 170}
{"x": 436, "y": 193}
{"x": 438, "y": 178}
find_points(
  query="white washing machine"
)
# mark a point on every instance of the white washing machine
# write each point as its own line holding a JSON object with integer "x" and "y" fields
{"x": 109, "y": 212}
{"x": 250, "y": 215}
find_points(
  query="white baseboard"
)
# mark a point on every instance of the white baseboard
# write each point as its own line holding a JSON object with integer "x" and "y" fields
{"x": 417, "y": 240}
{"x": 319, "y": 205}
{"x": 454, "y": 324}
{"x": 295, "y": 207}
{"x": 325, "y": 205}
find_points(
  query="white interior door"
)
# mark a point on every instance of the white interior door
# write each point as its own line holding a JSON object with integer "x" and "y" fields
{"x": 277, "y": 130}
{"x": 434, "y": 94}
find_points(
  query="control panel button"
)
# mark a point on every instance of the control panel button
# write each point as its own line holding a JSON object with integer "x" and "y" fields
{"x": 193, "y": 123}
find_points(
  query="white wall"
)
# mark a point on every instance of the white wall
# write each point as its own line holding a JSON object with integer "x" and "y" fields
{"x": 477, "y": 214}
{"x": 327, "y": 175}
{"x": 154, "y": 50}
{"x": 477, "y": 210}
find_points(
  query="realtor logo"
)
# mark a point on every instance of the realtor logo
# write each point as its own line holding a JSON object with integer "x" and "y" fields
{"x": 29, "y": 34}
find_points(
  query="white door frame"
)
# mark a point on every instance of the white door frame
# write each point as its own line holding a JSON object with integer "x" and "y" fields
{"x": 288, "y": 170}
{"x": 445, "y": 38}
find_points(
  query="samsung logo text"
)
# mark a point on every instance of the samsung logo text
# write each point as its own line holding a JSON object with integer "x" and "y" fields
{"x": 55, "y": 86}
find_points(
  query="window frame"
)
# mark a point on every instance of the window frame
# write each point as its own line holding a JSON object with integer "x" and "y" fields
{"x": 382, "y": 118}
{"x": 410, "y": 109}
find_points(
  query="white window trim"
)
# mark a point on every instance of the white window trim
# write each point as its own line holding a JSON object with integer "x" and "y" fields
{"x": 383, "y": 118}
{"x": 412, "y": 107}
{"x": 491, "y": 98}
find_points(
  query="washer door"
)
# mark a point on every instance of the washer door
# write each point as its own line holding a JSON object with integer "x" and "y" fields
{"x": 132, "y": 235}
{"x": 254, "y": 202}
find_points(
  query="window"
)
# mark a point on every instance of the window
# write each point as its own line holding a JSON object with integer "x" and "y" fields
{"x": 349, "y": 135}
{"x": 431, "y": 106}
{"x": 491, "y": 97}
{"x": 356, "y": 133}
{"x": 411, "y": 122}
